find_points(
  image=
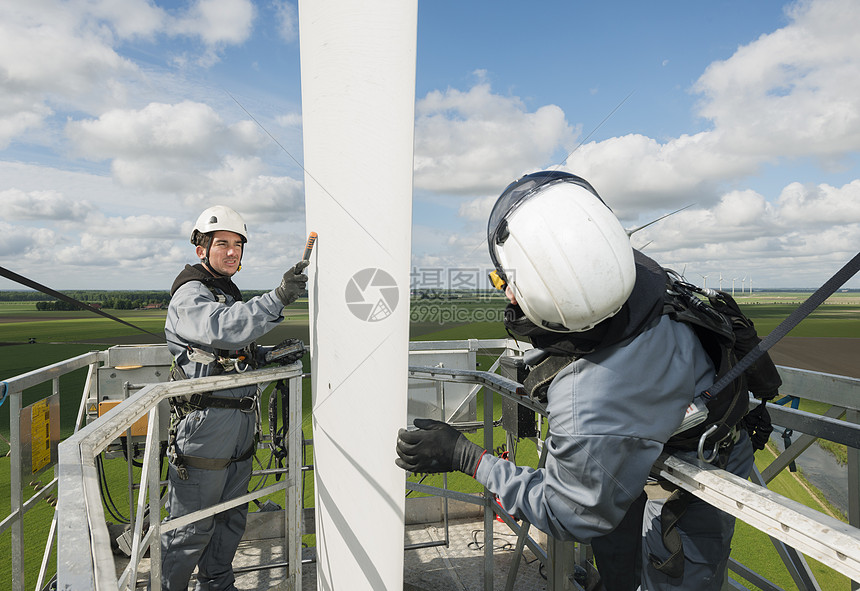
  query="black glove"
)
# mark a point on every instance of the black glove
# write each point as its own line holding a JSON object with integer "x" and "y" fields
{"x": 293, "y": 284}
{"x": 437, "y": 447}
{"x": 758, "y": 426}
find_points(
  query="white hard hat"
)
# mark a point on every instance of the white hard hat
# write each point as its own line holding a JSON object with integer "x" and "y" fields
{"x": 562, "y": 250}
{"x": 219, "y": 217}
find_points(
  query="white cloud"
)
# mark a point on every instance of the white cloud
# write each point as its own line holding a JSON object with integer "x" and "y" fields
{"x": 792, "y": 92}
{"x": 823, "y": 204}
{"x": 633, "y": 169}
{"x": 129, "y": 18}
{"x": 288, "y": 20}
{"x": 52, "y": 53}
{"x": 807, "y": 229}
{"x": 98, "y": 71}
{"x": 168, "y": 147}
{"x": 17, "y": 241}
{"x": 57, "y": 56}
{"x": 261, "y": 198}
{"x": 217, "y": 22}
{"x": 42, "y": 205}
{"x": 54, "y": 49}
{"x": 186, "y": 131}
{"x": 15, "y": 121}
{"x": 478, "y": 210}
{"x": 290, "y": 120}
{"x": 477, "y": 141}
{"x": 147, "y": 227}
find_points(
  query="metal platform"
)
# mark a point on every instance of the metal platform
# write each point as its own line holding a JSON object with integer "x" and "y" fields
{"x": 457, "y": 567}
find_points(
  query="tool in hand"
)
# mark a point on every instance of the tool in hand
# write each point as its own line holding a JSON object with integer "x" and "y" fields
{"x": 312, "y": 238}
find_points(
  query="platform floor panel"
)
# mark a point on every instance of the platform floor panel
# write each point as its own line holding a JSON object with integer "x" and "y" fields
{"x": 459, "y": 566}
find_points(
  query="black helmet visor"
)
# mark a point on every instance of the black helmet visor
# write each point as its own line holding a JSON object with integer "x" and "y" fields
{"x": 517, "y": 193}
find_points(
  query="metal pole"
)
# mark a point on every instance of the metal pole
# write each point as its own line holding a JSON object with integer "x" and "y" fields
{"x": 154, "y": 463}
{"x": 853, "y": 416}
{"x": 440, "y": 390}
{"x": 128, "y": 462}
{"x": 295, "y": 498}
{"x": 52, "y": 533}
{"x": 84, "y": 396}
{"x": 489, "y": 515}
{"x": 17, "y": 554}
{"x": 522, "y": 536}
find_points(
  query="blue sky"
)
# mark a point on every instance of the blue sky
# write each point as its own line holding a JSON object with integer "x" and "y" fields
{"x": 121, "y": 121}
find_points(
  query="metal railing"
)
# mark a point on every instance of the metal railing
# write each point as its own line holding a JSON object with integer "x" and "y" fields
{"x": 793, "y": 527}
{"x": 80, "y": 521}
{"x": 12, "y": 389}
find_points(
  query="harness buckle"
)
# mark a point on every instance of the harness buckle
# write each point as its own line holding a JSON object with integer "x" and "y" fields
{"x": 248, "y": 404}
{"x": 195, "y": 401}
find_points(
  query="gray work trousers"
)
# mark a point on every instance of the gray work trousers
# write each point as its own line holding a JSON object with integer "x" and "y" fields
{"x": 706, "y": 533}
{"x": 210, "y": 543}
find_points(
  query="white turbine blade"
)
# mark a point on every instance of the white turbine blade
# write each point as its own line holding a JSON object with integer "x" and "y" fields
{"x": 358, "y": 96}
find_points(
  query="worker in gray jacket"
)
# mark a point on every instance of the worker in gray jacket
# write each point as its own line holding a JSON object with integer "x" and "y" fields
{"x": 208, "y": 328}
{"x": 578, "y": 289}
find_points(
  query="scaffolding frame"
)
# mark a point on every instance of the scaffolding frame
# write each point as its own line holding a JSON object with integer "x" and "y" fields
{"x": 79, "y": 521}
{"x": 794, "y": 528}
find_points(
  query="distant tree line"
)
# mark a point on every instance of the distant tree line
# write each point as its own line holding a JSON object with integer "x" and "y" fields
{"x": 55, "y": 306}
{"x": 117, "y": 300}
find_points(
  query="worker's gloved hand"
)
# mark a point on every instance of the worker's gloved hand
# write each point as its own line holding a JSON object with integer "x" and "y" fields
{"x": 293, "y": 283}
{"x": 758, "y": 426}
{"x": 437, "y": 447}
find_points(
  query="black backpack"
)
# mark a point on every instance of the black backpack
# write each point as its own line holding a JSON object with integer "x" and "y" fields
{"x": 727, "y": 335}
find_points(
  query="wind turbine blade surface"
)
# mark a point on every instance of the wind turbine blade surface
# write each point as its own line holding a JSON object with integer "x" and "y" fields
{"x": 358, "y": 100}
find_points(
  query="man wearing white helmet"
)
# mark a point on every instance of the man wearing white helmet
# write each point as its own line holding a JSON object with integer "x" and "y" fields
{"x": 211, "y": 446}
{"x": 580, "y": 293}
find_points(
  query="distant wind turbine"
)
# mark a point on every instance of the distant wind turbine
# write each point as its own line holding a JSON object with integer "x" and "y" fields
{"x": 705, "y": 282}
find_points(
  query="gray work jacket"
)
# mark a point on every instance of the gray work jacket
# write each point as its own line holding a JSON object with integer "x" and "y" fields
{"x": 610, "y": 413}
{"x": 197, "y": 318}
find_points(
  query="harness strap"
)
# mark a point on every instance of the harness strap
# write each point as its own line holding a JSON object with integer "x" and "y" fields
{"x": 206, "y": 400}
{"x": 217, "y": 463}
{"x": 672, "y": 511}
{"x": 822, "y": 293}
{"x": 537, "y": 382}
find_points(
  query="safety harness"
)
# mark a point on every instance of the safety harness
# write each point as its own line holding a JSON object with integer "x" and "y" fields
{"x": 711, "y": 421}
{"x": 742, "y": 365}
{"x": 756, "y": 365}
{"x": 223, "y": 362}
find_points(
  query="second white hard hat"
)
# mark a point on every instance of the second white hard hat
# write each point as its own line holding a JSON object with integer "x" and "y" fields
{"x": 562, "y": 250}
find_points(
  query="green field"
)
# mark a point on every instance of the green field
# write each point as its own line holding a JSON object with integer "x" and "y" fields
{"x": 62, "y": 335}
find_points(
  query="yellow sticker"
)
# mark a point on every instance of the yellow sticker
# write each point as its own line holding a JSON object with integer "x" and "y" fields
{"x": 40, "y": 435}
